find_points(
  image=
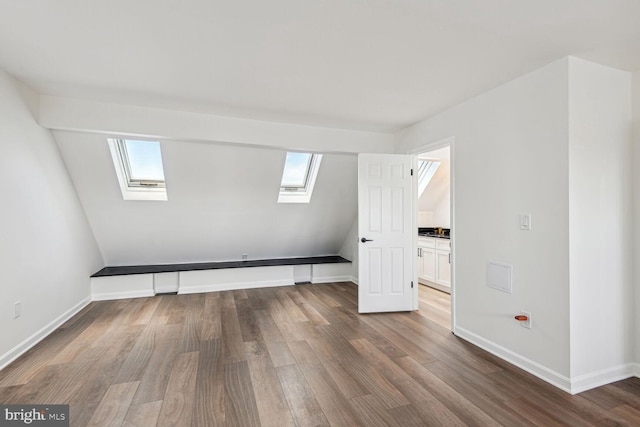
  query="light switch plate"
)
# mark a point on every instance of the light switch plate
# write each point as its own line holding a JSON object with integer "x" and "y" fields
{"x": 525, "y": 222}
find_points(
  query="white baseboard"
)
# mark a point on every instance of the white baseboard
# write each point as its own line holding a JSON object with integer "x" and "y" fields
{"x": 198, "y": 289}
{"x": 122, "y": 295}
{"x": 354, "y": 279}
{"x": 330, "y": 279}
{"x": 445, "y": 289}
{"x": 572, "y": 385}
{"x": 605, "y": 376}
{"x": 528, "y": 365}
{"x": 34, "y": 339}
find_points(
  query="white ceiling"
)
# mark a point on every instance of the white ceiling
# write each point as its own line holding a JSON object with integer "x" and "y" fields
{"x": 363, "y": 64}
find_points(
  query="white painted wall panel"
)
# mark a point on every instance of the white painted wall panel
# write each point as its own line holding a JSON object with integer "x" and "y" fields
{"x": 166, "y": 282}
{"x": 222, "y": 203}
{"x": 302, "y": 273}
{"x": 350, "y": 247}
{"x": 235, "y": 278}
{"x": 47, "y": 250}
{"x": 121, "y": 287}
{"x": 511, "y": 156}
{"x": 600, "y": 217}
{"x": 326, "y": 273}
{"x": 554, "y": 143}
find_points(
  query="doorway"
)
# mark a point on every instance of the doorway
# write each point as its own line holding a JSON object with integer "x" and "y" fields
{"x": 434, "y": 249}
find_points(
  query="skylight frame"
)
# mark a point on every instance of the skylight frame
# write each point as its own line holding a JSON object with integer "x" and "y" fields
{"x": 301, "y": 194}
{"x": 134, "y": 188}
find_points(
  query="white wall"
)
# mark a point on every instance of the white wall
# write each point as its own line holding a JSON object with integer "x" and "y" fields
{"x": 47, "y": 250}
{"x": 601, "y": 290}
{"x": 554, "y": 143}
{"x": 222, "y": 204}
{"x": 511, "y": 157}
{"x": 350, "y": 248}
{"x": 436, "y": 198}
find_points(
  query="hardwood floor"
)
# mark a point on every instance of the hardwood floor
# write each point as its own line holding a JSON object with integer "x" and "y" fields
{"x": 434, "y": 305}
{"x": 298, "y": 355}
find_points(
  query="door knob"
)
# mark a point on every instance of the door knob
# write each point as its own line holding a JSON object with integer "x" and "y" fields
{"x": 365, "y": 240}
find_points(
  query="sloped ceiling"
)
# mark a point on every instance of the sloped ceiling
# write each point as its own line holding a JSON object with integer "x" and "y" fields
{"x": 222, "y": 204}
{"x": 376, "y": 64}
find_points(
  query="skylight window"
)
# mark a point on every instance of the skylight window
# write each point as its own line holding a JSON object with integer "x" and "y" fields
{"x": 426, "y": 170}
{"x": 144, "y": 161}
{"x": 299, "y": 177}
{"x": 296, "y": 170}
{"x": 139, "y": 169}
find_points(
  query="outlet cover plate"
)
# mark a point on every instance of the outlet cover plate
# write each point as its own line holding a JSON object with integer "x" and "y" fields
{"x": 526, "y": 324}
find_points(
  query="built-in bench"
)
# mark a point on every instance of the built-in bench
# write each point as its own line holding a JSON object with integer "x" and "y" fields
{"x": 136, "y": 281}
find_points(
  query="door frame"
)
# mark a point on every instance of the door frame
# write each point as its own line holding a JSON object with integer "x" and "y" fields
{"x": 431, "y": 146}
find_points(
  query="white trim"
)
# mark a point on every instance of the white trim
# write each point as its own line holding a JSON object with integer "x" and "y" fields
{"x": 34, "y": 339}
{"x": 572, "y": 385}
{"x": 534, "y": 368}
{"x": 232, "y": 286}
{"x": 414, "y": 226}
{"x": 105, "y": 296}
{"x": 605, "y": 376}
{"x": 330, "y": 279}
{"x": 445, "y": 289}
{"x": 354, "y": 279}
{"x": 449, "y": 141}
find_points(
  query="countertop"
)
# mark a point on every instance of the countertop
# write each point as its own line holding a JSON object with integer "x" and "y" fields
{"x": 436, "y": 236}
{"x": 166, "y": 268}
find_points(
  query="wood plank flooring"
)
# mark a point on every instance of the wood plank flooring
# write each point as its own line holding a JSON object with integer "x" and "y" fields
{"x": 291, "y": 356}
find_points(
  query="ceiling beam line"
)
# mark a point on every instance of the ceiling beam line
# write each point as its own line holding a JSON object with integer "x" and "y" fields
{"x": 59, "y": 113}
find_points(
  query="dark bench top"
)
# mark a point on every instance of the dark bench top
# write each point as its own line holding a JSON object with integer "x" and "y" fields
{"x": 169, "y": 268}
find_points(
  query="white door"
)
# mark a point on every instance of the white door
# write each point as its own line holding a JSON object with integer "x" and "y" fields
{"x": 386, "y": 233}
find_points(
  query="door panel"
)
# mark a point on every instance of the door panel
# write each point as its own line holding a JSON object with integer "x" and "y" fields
{"x": 385, "y": 219}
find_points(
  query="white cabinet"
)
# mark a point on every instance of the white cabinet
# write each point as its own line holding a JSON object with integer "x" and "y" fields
{"x": 426, "y": 264}
{"x": 443, "y": 268}
{"x": 434, "y": 262}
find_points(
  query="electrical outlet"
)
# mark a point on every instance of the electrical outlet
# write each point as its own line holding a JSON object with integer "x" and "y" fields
{"x": 525, "y": 323}
{"x": 17, "y": 308}
{"x": 245, "y": 256}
